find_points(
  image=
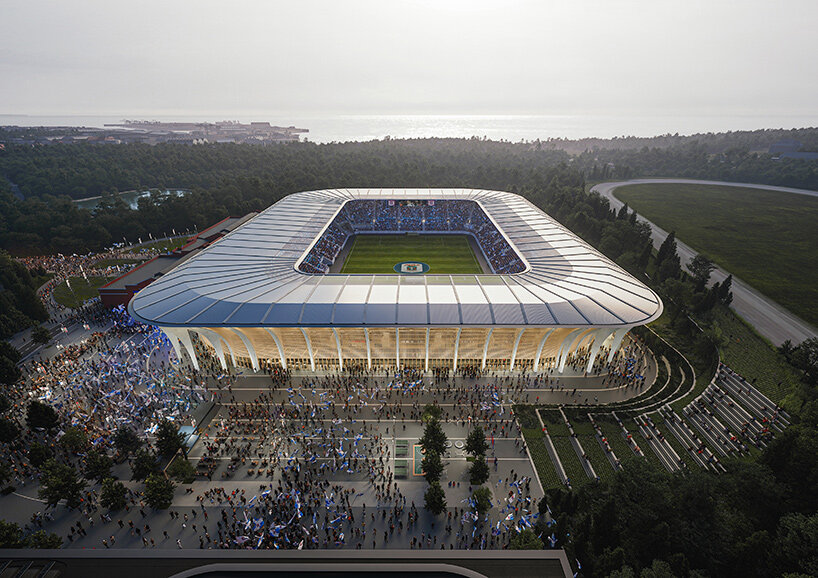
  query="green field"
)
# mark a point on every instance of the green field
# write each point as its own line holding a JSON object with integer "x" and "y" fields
{"x": 104, "y": 263}
{"x": 445, "y": 254}
{"x": 82, "y": 291}
{"x": 767, "y": 238}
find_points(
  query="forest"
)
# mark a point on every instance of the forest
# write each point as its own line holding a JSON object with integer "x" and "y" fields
{"x": 235, "y": 179}
{"x": 758, "y": 519}
{"x": 231, "y": 179}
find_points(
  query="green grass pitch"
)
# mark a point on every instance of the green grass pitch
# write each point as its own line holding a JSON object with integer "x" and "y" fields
{"x": 767, "y": 238}
{"x": 445, "y": 254}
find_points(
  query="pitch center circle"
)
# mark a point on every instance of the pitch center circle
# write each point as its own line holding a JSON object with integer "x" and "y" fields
{"x": 411, "y": 268}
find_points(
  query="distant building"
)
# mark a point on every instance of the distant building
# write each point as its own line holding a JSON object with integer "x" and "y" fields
{"x": 791, "y": 149}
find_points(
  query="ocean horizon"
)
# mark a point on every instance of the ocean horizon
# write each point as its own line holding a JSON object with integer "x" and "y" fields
{"x": 514, "y": 128}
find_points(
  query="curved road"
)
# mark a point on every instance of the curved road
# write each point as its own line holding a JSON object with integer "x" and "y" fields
{"x": 769, "y": 318}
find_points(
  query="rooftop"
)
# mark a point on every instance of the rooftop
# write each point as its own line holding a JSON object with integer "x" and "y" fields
{"x": 250, "y": 277}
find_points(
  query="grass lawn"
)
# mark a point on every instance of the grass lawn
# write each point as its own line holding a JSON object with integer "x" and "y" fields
{"x": 445, "y": 254}
{"x": 82, "y": 291}
{"x": 618, "y": 444}
{"x": 596, "y": 454}
{"x": 767, "y": 238}
{"x": 103, "y": 263}
{"x": 754, "y": 358}
{"x": 542, "y": 461}
{"x": 41, "y": 280}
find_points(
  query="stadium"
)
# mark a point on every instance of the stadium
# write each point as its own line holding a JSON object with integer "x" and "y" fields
{"x": 399, "y": 278}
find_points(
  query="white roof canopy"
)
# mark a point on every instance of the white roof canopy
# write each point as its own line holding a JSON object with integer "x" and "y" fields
{"x": 249, "y": 278}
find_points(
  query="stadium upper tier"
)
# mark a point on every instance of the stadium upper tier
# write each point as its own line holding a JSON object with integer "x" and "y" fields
{"x": 259, "y": 275}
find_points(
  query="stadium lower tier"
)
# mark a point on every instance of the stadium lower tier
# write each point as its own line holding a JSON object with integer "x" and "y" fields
{"x": 424, "y": 348}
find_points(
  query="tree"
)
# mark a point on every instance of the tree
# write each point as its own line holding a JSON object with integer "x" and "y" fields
{"x": 38, "y": 454}
{"x": 126, "y": 441}
{"x": 11, "y": 535}
{"x": 9, "y": 356}
{"x": 97, "y": 465}
{"x": 670, "y": 268}
{"x": 644, "y": 257}
{"x": 701, "y": 266}
{"x": 41, "y": 415}
{"x": 60, "y": 482}
{"x": 725, "y": 290}
{"x": 799, "y": 541}
{"x": 144, "y": 464}
{"x": 432, "y": 466}
{"x": 476, "y": 443}
{"x": 42, "y": 540}
{"x": 805, "y": 358}
{"x": 481, "y": 500}
{"x": 435, "y": 498}
{"x": 182, "y": 471}
{"x": 74, "y": 439}
{"x": 658, "y": 569}
{"x": 431, "y": 411}
{"x": 168, "y": 439}
{"x": 159, "y": 491}
{"x": 8, "y": 431}
{"x": 8, "y": 351}
{"x": 434, "y": 439}
{"x": 9, "y": 373}
{"x": 479, "y": 471}
{"x": 525, "y": 540}
{"x": 40, "y": 335}
{"x": 113, "y": 494}
{"x": 667, "y": 248}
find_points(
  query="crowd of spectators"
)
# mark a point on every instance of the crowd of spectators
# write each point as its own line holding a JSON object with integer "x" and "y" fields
{"x": 412, "y": 216}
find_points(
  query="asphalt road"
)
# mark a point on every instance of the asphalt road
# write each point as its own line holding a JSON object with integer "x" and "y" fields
{"x": 769, "y": 318}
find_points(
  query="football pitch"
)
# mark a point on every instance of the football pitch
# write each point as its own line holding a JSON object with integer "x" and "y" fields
{"x": 445, "y": 254}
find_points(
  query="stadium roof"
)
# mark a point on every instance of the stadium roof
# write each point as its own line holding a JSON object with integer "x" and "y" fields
{"x": 249, "y": 277}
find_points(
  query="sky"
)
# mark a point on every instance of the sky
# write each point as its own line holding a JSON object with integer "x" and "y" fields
{"x": 591, "y": 57}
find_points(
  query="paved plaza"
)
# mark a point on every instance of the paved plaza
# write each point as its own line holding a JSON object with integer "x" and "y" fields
{"x": 311, "y": 460}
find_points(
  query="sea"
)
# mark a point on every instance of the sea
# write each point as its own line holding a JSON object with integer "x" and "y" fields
{"x": 513, "y": 128}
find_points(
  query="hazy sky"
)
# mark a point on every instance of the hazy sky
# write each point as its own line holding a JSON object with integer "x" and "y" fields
{"x": 417, "y": 56}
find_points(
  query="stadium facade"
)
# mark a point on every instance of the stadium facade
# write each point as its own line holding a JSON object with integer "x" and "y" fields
{"x": 267, "y": 295}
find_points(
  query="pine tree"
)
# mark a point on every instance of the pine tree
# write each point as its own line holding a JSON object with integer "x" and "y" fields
{"x": 479, "y": 471}
{"x": 159, "y": 491}
{"x": 476, "y": 444}
{"x": 434, "y": 439}
{"x": 435, "y": 498}
{"x": 667, "y": 248}
{"x": 725, "y": 293}
{"x": 432, "y": 466}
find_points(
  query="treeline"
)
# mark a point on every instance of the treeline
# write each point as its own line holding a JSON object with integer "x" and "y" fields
{"x": 713, "y": 142}
{"x": 228, "y": 179}
{"x": 19, "y": 305}
{"x": 693, "y": 160}
{"x": 87, "y": 170}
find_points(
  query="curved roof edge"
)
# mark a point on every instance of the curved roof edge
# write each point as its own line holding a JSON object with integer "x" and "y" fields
{"x": 248, "y": 278}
